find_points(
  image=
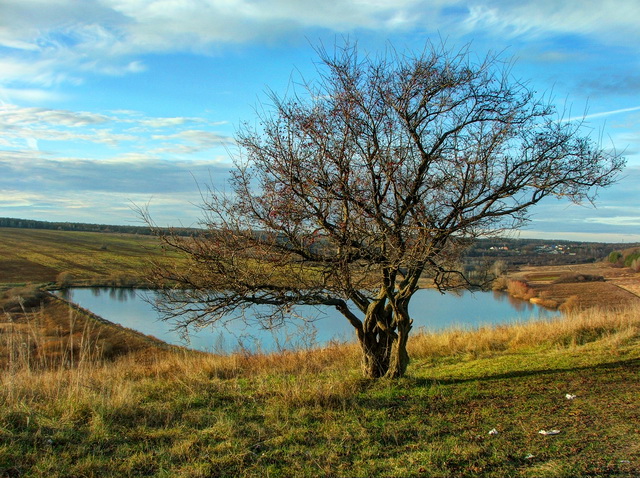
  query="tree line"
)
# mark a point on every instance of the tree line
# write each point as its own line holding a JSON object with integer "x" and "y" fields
{"x": 85, "y": 227}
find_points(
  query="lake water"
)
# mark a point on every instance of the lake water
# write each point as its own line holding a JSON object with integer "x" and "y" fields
{"x": 429, "y": 309}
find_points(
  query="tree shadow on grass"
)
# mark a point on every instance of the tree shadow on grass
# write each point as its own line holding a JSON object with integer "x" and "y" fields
{"x": 629, "y": 365}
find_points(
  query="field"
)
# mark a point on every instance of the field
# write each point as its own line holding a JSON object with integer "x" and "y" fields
{"x": 38, "y": 256}
{"x": 161, "y": 412}
{"x": 79, "y": 397}
{"x": 621, "y": 286}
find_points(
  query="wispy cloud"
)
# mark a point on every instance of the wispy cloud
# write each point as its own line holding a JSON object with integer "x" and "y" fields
{"x": 15, "y": 115}
{"x": 611, "y": 21}
{"x": 602, "y": 114}
{"x": 37, "y": 173}
{"x": 617, "y": 208}
{"x": 27, "y": 126}
{"x": 49, "y": 43}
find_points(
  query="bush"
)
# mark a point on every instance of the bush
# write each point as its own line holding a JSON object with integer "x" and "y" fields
{"x": 16, "y": 299}
{"x": 64, "y": 280}
{"x": 520, "y": 289}
{"x": 629, "y": 259}
{"x": 500, "y": 283}
{"x": 615, "y": 256}
{"x": 575, "y": 278}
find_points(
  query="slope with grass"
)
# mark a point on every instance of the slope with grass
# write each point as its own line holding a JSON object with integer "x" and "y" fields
{"x": 82, "y": 398}
{"x": 38, "y": 256}
{"x": 159, "y": 412}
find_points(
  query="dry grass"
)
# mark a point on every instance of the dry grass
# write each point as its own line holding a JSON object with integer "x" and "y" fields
{"x": 176, "y": 412}
{"x": 574, "y": 328}
{"x": 37, "y": 366}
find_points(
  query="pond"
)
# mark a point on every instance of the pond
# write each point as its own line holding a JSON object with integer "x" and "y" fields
{"x": 429, "y": 309}
{"x": 308, "y": 326}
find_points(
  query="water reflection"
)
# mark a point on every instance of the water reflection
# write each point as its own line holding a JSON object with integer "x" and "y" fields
{"x": 306, "y": 326}
{"x": 517, "y": 304}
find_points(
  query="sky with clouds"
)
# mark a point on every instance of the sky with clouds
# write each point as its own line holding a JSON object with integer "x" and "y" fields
{"x": 108, "y": 104}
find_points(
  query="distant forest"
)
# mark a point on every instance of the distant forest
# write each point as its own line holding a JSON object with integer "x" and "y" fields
{"x": 84, "y": 227}
{"x": 511, "y": 251}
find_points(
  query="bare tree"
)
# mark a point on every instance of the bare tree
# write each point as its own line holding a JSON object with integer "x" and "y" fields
{"x": 355, "y": 186}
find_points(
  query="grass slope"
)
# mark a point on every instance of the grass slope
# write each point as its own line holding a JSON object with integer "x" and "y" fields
{"x": 309, "y": 413}
{"x": 30, "y": 255}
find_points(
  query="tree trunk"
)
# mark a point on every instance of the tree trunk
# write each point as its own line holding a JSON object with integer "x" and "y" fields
{"x": 399, "y": 358}
{"x": 384, "y": 352}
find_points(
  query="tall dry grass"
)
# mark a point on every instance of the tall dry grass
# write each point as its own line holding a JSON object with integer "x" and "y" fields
{"x": 79, "y": 381}
{"x": 73, "y": 371}
{"x": 576, "y": 327}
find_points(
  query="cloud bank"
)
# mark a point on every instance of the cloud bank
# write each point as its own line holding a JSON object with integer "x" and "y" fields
{"x": 46, "y": 43}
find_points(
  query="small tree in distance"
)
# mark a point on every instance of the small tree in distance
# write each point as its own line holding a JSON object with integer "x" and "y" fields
{"x": 378, "y": 174}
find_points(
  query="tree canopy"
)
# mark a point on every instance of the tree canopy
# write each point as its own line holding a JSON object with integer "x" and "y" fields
{"x": 354, "y": 186}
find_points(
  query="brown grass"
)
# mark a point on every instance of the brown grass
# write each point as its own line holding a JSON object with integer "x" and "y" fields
{"x": 573, "y": 328}
{"x": 39, "y": 331}
{"x": 77, "y": 368}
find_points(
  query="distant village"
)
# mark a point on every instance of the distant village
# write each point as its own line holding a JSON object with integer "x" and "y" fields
{"x": 539, "y": 249}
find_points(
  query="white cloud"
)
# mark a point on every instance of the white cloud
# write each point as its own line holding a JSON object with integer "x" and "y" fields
{"x": 48, "y": 43}
{"x": 613, "y": 21}
{"x": 16, "y": 115}
{"x": 605, "y": 113}
{"x": 28, "y": 125}
{"x": 28, "y": 95}
{"x": 615, "y": 220}
{"x": 111, "y": 208}
{"x": 192, "y": 141}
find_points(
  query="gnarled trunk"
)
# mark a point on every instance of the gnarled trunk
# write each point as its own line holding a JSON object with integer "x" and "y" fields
{"x": 384, "y": 348}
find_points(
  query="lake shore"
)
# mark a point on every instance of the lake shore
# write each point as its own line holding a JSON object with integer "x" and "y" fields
{"x": 472, "y": 404}
{"x": 86, "y": 398}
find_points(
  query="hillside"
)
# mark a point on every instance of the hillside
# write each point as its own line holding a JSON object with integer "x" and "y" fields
{"x": 81, "y": 397}
{"x": 473, "y": 404}
{"x": 42, "y": 255}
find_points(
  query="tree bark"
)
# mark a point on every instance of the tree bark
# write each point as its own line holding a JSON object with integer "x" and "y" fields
{"x": 384, "y": 352}
{"x": 399, "y": 358}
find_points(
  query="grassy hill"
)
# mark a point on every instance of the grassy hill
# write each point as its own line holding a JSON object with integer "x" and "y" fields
{"x": 170, "y": 412}
{"x": 38, "y": 255}
{"x": 79, "y": 397}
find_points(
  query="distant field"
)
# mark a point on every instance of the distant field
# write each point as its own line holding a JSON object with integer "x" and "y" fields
{"x": 621, "y": 286}
{"x": 31, "y": 255}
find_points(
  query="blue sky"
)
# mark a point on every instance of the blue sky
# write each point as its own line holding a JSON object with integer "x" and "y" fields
{"x": 109, "y": 103}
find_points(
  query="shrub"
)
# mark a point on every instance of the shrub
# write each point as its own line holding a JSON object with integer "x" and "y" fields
{"x": 520, "y": 289}
{"x": 16, "y": 299}
{"x": 64, "y": 279}
{"x": 500, "y": 283}
{"x": 614, "y": 257}
{"x": 573, "y": 278}
{"x": 629, "y": 259}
